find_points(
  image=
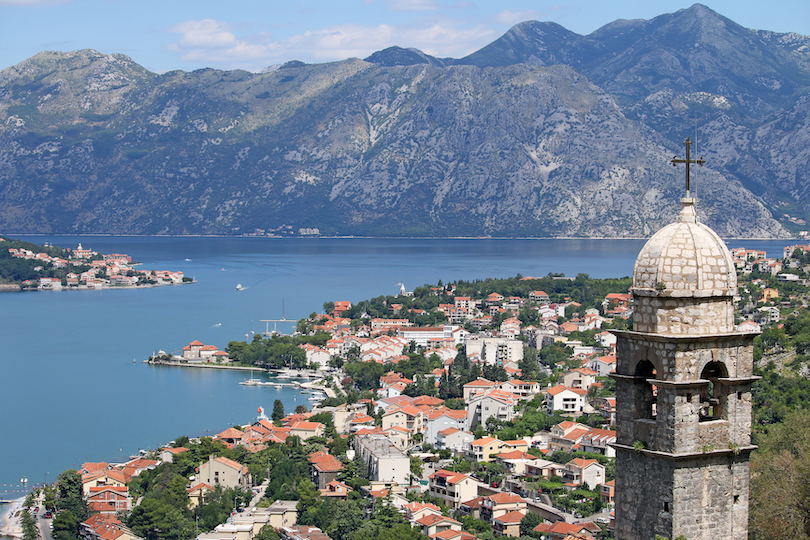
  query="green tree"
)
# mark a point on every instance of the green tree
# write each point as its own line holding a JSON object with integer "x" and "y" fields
{"x": 69, "y": 486}
{"x": 780, "y": 481}
{"x": 347, "y": 519}
{"x": 278, "y": 411}
{"x": 366, "y": 375}
{"x": 308, "y": 495}
{"x": 416, "y": 467}
{"x": 403, "y": 531}
{"x": 473, "y": 525}
{"x": 65, "y": 526}
{"x": 29, "y": 526}
{"x": 266, "y": 533}
{"x": 156, "y": 520}
{"x": 181, "y": 441}
{"x": 49, "y": 500}
{"x": 528, "y": 523}
{"x": 176, "y": 493}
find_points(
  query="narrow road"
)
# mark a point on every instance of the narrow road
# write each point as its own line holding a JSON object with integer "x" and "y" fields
{"x": 44, "y": 527}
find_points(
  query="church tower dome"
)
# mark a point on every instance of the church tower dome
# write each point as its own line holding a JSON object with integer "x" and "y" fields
{"x": 685, "y": 258}
{"x": 684, "y": 279}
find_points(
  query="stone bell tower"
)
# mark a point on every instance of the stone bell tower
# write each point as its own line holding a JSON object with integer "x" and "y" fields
{"x": 683, "y": 389}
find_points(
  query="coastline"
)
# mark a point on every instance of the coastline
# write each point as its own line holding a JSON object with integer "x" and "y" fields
{"x": 202, "y": 365}
{"x": 13, "y": 287}
{"x": 10, "y": 520}
{"x": 283, "y": 374}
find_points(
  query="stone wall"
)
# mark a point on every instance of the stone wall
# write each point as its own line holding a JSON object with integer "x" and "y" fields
{"x": 664, "y": 314}
{"x": 705, "y": 498}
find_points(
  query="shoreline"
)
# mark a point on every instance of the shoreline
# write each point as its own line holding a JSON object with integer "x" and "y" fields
{"x": 202, "y": 365}
{"x": 13, "y": 287}
{"x": 10, "y": 525}
{"x": 293, "y": 373}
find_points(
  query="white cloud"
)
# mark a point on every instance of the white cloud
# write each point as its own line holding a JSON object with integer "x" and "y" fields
{"x": 514, "y": 17}
{"x": 204, "y": 33}
{"x": 411, "y": 5}
{"x": 214, "y": 44}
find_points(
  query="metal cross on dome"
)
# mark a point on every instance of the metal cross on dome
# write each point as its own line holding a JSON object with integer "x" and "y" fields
{"x": 700, "y": 161}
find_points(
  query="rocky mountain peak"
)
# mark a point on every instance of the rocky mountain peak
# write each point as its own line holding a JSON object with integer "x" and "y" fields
{"x": 530, "y": 42}
{"x": 543, "y": 132}
{"x": 398, "y": 56}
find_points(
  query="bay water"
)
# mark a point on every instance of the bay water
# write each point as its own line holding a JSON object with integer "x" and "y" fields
{"x": 74, "y": 385}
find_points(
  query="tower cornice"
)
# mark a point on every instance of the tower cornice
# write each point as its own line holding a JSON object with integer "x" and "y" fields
{"x": 681, "y": 338}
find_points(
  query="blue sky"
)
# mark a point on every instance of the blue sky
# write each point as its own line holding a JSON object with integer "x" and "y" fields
{"x": 163, "y": 35}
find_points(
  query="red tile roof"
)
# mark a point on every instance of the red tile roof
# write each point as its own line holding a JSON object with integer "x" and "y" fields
{"x": 512, "y": 517}
{"x": 306, "y": 426}
{"x": 432, "y": 519}
{"x": 504, "y": 498}
{"x": 561, "y": 527}
{"x": 449, "y": 476}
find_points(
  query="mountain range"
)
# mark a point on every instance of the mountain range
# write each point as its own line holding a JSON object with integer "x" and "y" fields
{"x": 543, "y": 132}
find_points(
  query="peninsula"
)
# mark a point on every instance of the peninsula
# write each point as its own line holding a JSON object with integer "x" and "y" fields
{"x": 26, "y": 266}
{"x": 485, "y": 405}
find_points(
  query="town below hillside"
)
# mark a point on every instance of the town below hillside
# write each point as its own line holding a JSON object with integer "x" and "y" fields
{"x": 457, "y": 411}
{"x": 32, "y": 267}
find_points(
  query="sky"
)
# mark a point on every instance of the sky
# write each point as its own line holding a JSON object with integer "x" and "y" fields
{"x": 164, "y": 35}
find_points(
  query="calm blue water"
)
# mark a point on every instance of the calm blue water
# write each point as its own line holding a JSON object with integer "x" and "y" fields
{"x": 71, "y": 392}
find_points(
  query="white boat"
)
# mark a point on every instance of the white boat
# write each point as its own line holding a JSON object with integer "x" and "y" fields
{"x": 251, "y": 382}
{"x": 238, "y": 286}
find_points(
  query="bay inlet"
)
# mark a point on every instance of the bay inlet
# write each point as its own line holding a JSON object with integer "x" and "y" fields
{"x": 75, "y": 387}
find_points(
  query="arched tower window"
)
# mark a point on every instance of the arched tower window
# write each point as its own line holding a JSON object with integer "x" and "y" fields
{"x": 712, "y": 396}
{"x": 646, "y": 370}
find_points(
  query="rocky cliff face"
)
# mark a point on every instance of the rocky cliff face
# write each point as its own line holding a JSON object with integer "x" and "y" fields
{"x": 544, "y": 132}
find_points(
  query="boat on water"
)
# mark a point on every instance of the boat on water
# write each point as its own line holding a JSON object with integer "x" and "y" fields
{"x": 238, "y": 286}
{"x": 252, "y": 382}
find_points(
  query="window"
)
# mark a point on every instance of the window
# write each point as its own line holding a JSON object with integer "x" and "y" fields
{"x": 712, "y": 395}
{"x": 645, "y": 370}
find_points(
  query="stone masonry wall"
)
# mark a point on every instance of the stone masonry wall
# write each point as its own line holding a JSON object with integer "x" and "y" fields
{"x": 702, "y": 499}
{"x": 683, "y": 316}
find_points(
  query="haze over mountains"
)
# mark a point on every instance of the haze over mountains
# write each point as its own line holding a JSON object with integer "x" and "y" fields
{"x": 543, "y": 132}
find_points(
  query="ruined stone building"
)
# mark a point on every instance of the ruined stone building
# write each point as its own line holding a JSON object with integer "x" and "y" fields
{"x": 683, "y": 387}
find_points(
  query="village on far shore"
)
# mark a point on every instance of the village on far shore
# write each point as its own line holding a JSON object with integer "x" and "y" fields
{"x": 495, "y": 420}
{"x": 81, "y": 268}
